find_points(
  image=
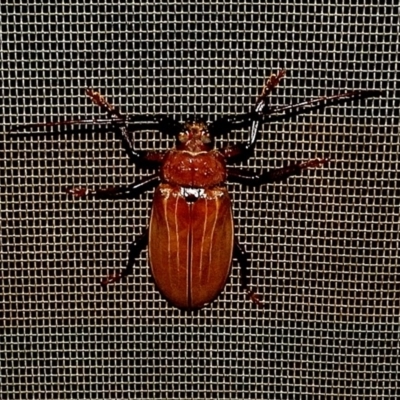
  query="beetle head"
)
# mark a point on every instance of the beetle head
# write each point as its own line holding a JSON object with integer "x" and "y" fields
{"x": 194, "y": 137}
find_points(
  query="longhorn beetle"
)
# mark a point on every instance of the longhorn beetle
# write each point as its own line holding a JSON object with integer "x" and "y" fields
{"x": 191, "y": 235}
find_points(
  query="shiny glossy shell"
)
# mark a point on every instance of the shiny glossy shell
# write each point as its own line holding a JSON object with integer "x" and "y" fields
{"x": 204, "y": 169}
{"x": 191, "y": 244}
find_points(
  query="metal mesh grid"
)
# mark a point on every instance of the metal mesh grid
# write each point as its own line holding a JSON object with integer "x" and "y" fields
{"x": 324, "y": 246}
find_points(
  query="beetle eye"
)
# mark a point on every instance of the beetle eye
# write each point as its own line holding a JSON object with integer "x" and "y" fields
{"x": 183, "y": 137}
{"x": 205, "y": 137}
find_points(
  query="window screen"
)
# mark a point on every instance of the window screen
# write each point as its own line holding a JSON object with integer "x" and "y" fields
{"x": 323, "y": 247}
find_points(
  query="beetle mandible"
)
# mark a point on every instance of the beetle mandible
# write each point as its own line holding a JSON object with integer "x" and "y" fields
{"x": 191, "y": 233}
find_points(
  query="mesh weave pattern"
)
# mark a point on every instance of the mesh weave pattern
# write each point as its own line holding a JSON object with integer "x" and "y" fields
{"x": 324, "y": 247}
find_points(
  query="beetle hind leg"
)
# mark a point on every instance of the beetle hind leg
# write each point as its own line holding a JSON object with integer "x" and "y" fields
{"x": 136, "y": 248}
{"x": 242, "y": 258}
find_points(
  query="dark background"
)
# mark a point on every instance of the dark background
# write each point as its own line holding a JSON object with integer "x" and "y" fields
{"x": 324, "y": 246}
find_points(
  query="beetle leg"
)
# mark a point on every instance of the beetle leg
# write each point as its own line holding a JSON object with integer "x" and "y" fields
{"x": 243, "y": 151}
{"x": 136, "y": 248}
{"x": 276, "y": 175}
{"x": 242, "y": 258}
{"x": 118, "y": 192}
{"x": 136, "y": 156}
{"x": 270, "y": 84}
{"x": 101, "y": 101}
{"x": 159, "y": 122}
{"x": 144, "y": 159}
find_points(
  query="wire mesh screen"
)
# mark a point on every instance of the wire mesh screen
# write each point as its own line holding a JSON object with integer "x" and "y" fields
{"x": 323, "y": 247}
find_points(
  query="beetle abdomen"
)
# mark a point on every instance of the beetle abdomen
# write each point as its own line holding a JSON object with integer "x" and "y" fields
{"x": 191, "y": 245}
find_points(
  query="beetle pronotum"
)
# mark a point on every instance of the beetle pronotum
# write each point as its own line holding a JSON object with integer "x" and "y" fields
{"x": 191, "y": 234}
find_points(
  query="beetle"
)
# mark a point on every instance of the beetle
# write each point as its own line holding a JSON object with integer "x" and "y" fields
{"x": 190, "y": 237}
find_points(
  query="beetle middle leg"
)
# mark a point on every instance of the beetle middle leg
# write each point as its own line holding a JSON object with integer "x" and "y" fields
{"x": 249, "y": 178}
{"x": 118, "y": 192}
{"x": 243, "y": 260}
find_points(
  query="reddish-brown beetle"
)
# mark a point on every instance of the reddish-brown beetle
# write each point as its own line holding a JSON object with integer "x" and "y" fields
{"x": 191, "y": 233}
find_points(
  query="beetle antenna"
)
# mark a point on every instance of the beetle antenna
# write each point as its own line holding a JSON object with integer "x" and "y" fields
{"x": 288, "y": 111}
{"x": 23, "y": 127}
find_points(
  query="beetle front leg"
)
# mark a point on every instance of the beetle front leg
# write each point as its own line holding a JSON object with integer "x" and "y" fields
{"x": 276, "y": 175}
{"x": 162, "y": 123}
{"x": 136, "y": 156}
{"x": 270, "y": 84}
{"x": 242, "y": 258}
{"x": 136, "y": 248}
{"x": 243, "y": 151}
